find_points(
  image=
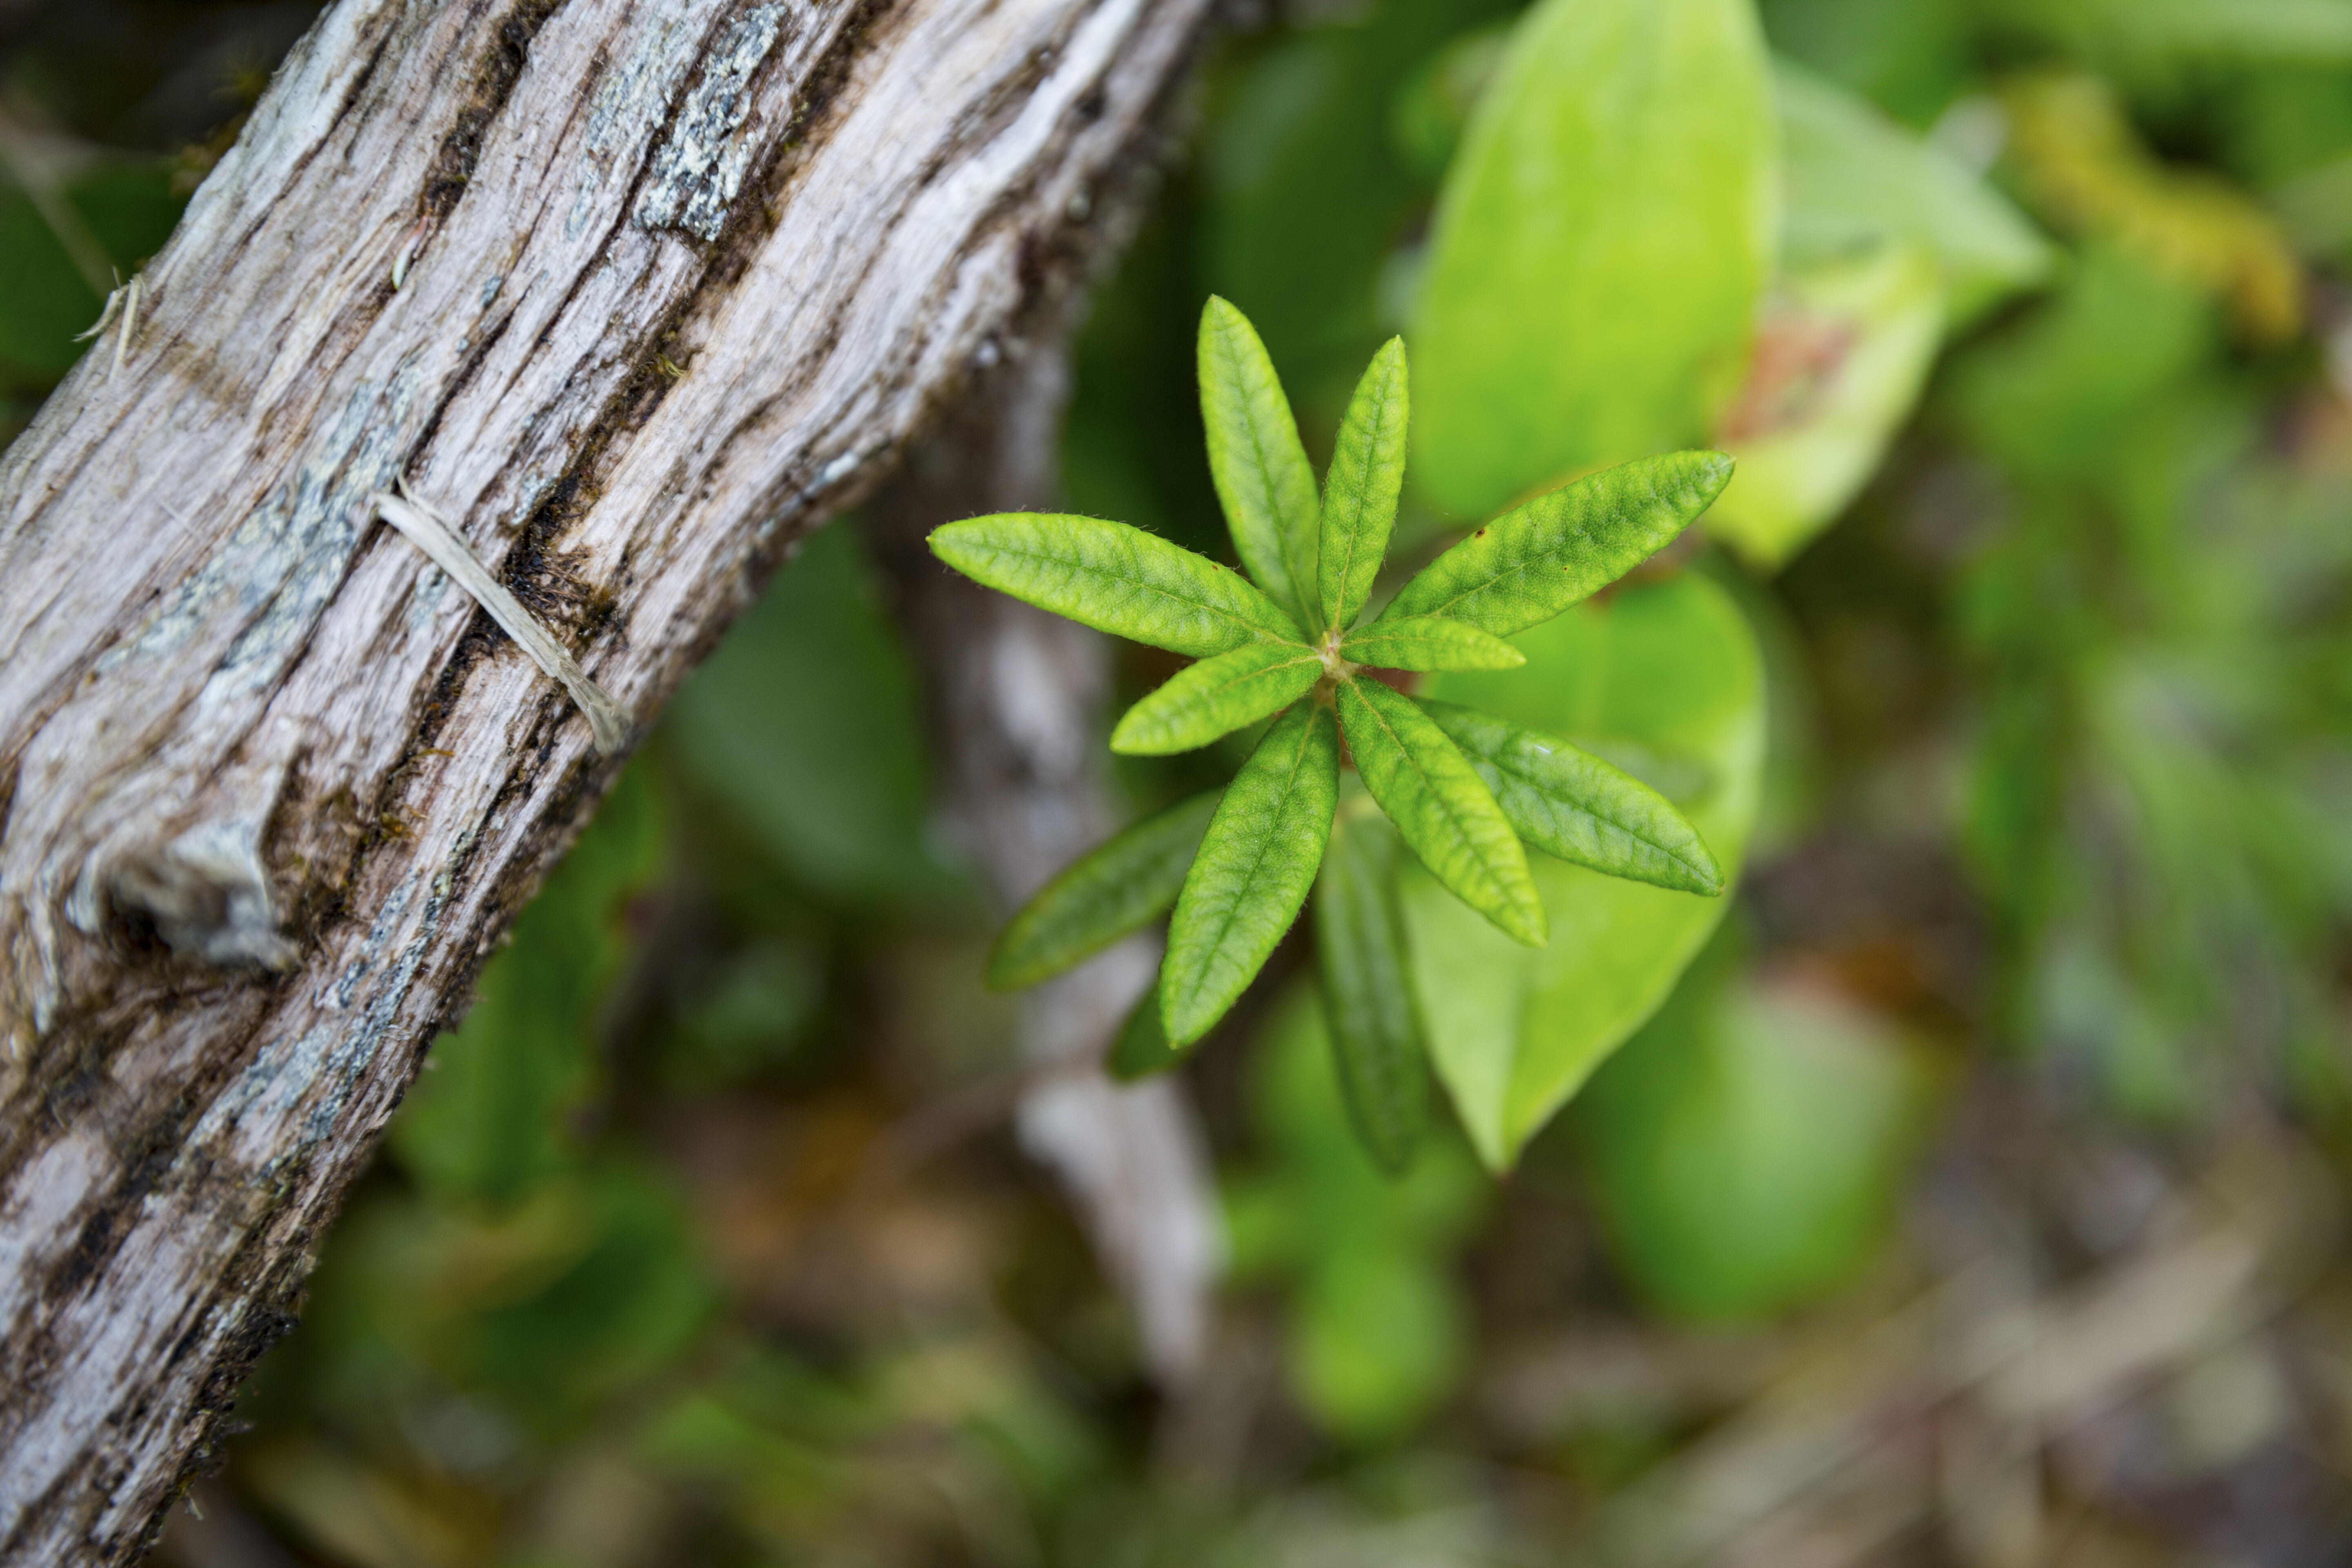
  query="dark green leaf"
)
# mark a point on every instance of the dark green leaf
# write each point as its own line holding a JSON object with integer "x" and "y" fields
{"x": 1253, "y": 871}
{"x": 1217, "y": 697}
{"x": 1256, "y": 458}
{"x": 1119, "y": 887}
{"x": 1360, "y": 493}
{"x": 1571, "y": 804}
{"x": 1142, "y": 1049}
{"x": 1537, "y": 560}
{"x": 1115, "y": 579}
{"x": 1429, "y": 642}
{"x": 1376, "y": 1041}
{"x": 1442, "y": 807}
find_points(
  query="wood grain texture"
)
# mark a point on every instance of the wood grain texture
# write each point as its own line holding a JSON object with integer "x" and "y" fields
{"x": 678, "y": 277}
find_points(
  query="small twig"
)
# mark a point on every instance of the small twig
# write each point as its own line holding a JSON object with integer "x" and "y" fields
{"x": 427, "y": 530}
{"x": 106, "y": 316}
{"x": 130, "y": 318}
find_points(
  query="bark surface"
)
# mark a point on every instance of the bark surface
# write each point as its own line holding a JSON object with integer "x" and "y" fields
{"x": 632, "y": 292}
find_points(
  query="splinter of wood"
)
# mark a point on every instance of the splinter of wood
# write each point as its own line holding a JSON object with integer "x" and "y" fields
{"x": 427, "y": 530}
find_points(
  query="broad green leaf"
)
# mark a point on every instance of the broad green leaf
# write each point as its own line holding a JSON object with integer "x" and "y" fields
{"x": 1367, "y": 996}
{"x": 1217, "y": 697}
{"x": 1440, "y": 804}
{"x": 1571, "y": 804}
{"x": 1253, "y": 871}
{"x": 1113, "y": 578}
{"x": 1141, "y": 1049}
{"x": 1121, "y": 886}
{"x": 1360, "y": 493}
{"x": 1672, "y": 666}
{"x": 1858, "y": 180}
{"x": 1841, "y": 359}
{"x": 1744, "y": 1150}
{"x": 1429, "y": 642}
{"x": 1599, "y": 247}
{"x": 1255, "y": 459}
{"x": 1537, "y": 560}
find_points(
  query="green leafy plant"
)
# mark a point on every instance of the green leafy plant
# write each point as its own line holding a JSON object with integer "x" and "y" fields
{"x": 1464, "y": 791}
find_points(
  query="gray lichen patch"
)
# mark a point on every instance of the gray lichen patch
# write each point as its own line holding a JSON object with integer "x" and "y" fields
{"x": 699, "y": 170}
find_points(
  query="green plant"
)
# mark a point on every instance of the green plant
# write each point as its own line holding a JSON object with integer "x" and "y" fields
{"x": 1464, "y": 789}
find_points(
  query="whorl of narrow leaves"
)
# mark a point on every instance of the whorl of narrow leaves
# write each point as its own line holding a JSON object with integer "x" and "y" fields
{"x": 1461, "y": 788}
{"x": 1115, "y": 579}
{"x": 1359, "y": 494}
{"x": 1440, "y": 806}
{"x": 1217, "y": 697}
{"x": 1551, "y": 553}
{"x": 1121, "y": 886}
{"x": 1368, "y": 1001}
{"x": 1571, "y": 804}
{"x": 1253, "y": 871}
{"x": 1257, "y": 461}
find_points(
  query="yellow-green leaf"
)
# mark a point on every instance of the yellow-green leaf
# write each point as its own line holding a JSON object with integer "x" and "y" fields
{"x": 1440, "y": 807}
{"x": 1113, "y": 578}
{"x": 1253, "y": 871}
{"x": 1429, "y": 642}
{"x": 1217, "y": 697}
{"x": 1599, "y": 247}
{"x": 1673, "y": 666}
{"x": 1258, "y": 462}
{"x": 1538, "y": 560}
{"x": 1568, "y": 802}
{"x": 1360, "y": 493}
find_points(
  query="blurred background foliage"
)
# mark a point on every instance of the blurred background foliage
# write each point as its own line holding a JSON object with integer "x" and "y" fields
{"x": 1960, "y": 1192}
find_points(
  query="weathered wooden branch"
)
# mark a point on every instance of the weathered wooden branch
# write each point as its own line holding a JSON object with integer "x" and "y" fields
{"x": 633, "y": 290}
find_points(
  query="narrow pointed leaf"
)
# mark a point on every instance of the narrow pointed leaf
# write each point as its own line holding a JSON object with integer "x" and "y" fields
{"x": 1442, "y": 807}
{"x": 1369, "y": 1001}
{"x": 1571, "y": 804}
{"x": 1360, "y": 493}
{"x": 1537, "y": 560}
{"x": 1429, "y": 642}
{"x": 1256, "y": 460}
{"x": 1253, "y": 871}
{"x": 1141, "y": 1049}
{"x": 1113, "y": 578}
{"x": 1119, "y": 887}
{"x": 1217, "y": 697}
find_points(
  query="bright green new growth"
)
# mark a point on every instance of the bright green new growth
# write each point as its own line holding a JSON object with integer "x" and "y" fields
{"x": 1463, "y": 790}
{"x": 1428, "y": 643}
{"x": 1256, "y": 460}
